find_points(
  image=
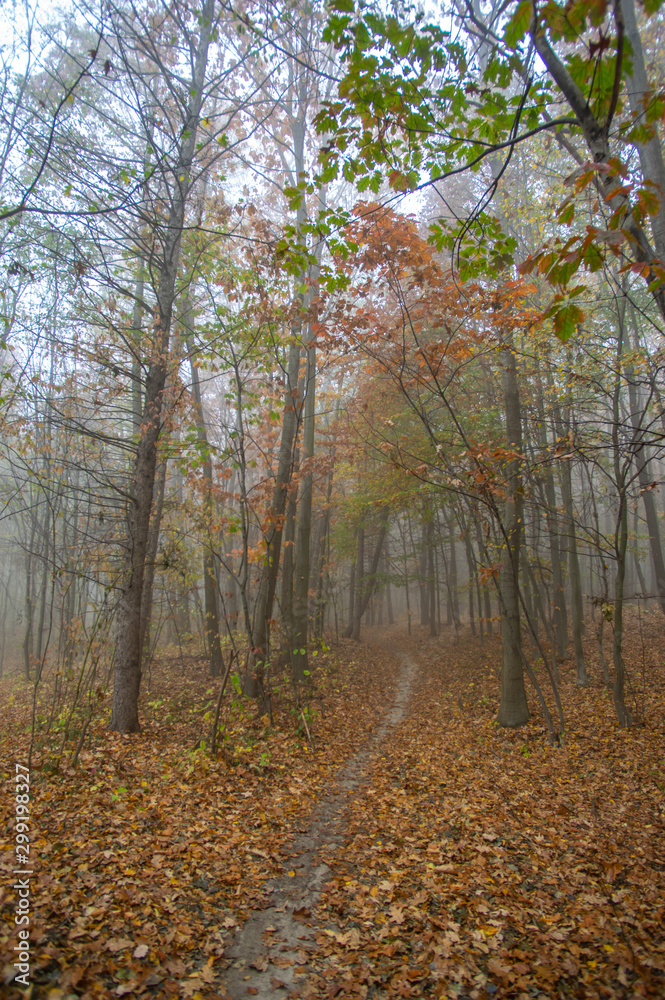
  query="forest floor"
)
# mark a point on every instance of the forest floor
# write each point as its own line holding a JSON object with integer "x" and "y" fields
{"x": 399, "y": 845}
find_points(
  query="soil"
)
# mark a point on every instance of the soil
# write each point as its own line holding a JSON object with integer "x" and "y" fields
{"x": 283, "y": 929}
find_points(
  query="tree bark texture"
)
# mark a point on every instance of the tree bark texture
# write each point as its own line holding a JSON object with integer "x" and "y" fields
{"x": 127, "y": 679}
{"x": 212, "y": 623}
{"x": 513, "y": 709}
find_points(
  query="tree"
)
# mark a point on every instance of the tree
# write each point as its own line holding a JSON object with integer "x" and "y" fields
{"x": 431, "y": 347}
{"x": 133, "y": 149}
{"x": 429, "y": 119}
{"x": 33, "y": 110}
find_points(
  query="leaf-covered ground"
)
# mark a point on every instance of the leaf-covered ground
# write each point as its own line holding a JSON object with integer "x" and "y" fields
{"x": 478, "y": 861}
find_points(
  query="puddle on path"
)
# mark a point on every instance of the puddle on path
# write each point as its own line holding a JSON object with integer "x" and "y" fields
{"x": 282, "y": 924}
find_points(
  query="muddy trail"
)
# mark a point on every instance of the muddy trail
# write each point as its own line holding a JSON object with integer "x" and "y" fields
{"x": 271, "y": 951}
{"x": 409, "y": 848}
{"x": 456, "y": 860}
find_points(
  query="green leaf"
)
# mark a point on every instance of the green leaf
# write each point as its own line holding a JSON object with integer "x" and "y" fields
{"x": 566, "y": 320}
{"x": 567, "y": 213}
{"x": 518, "y": 25}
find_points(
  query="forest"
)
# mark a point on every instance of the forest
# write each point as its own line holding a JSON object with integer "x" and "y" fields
{"x": 332, "y": 467}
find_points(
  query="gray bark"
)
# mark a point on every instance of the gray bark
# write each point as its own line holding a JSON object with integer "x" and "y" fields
{"x": 643, "y": 465}
{"x": 302, "y": 568}
{"x": 365, "y": 582}
{"x": 513, "y": 709}
{"x": 127, "y": 679}
{"x": 559, "y": 614}
{"x": 621, "y": 538}
{"x": 151, "y": 562}
{"x": 211, "y": 603}
{"x": 576, "y": 605}
{"x": 273, "y": 536}
{"x": 596, "y": 136}
{"x": 359, "y": 604}
{"x": 650, "y": 152}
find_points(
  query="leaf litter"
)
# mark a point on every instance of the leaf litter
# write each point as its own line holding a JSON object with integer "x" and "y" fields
{"x": 467, "y": 861}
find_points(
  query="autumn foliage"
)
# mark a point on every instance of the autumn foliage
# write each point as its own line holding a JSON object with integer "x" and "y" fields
{"x": 475, "y": 862}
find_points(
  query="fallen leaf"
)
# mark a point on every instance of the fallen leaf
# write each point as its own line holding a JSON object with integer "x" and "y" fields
{"x": 118, "y": 944}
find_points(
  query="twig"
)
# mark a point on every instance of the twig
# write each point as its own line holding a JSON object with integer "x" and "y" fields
{"x": 302, "y": 716}
{"x": 213, "y": 737}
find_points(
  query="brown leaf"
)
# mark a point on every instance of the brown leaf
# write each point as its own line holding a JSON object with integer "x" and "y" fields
{"x": 261, "y": 963}
{"x": 570, "y": 966}
{"x": 118, "y": 944}
{"x": 207, "y": 974}
{"x": 126, "y": 989}
{"x": 282, "y": 961}
{"x": 191, "y": 985}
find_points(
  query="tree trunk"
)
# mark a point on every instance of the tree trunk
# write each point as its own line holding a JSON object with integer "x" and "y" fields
{"x": 365, "y": 587}
{"x": 288, "y": 560}
{"x": 274, "y": 532}
{"x": 620, "y": 537}
{"x": 636, "y": 557}
{"x": 431, "y": 579}
{"x": 640, "y": 94}
{"x": 301, "y": 588}
{"x": 471, "y": 569}
{"x": 29, "y": 604}
{"x": 213, "y": 643}
{"x": 454, "y": 583}
{"x": 127, "y": 680}
{"x": 559, "y": 615}
{"x": 564, "y": 429}
{"x": 513, "y": 709}
{"x": 389, "y": 598}
{"x": 406, "y": 577}
{"x": 151, "y": 563}
{"x": 44, "y": 586}
{"x": 618, "y": 689}
{"x": 642, "y": 464}
{"x": 576, "y": 605}
{"x": 597, "y": 139}
{"x": 422, "y": 580}
{"x": 3, "y": 627}
{"x": 137, "y": 312}
{"x": 359, "y": 604}
{"x": 322, "y": 562}
{"x": 210, "y": 589}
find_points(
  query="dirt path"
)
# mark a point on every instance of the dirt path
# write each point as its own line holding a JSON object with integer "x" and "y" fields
{"x": 271, "y": 949}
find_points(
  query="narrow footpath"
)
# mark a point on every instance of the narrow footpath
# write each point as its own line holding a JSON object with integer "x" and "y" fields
{"x": 271, "y": 949}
